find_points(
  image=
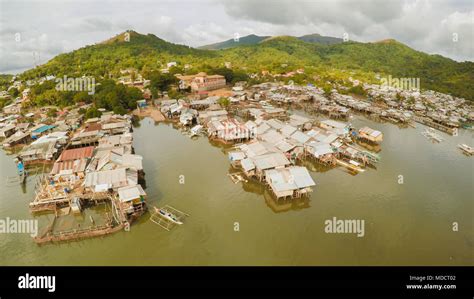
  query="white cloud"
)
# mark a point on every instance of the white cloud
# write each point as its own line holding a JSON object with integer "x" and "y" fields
{"x": 53, "y": 27}
{"x": 426, "y": 25}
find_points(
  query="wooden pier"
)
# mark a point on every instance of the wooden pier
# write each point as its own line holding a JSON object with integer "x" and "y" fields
{"x": 430, "y": 123}
{"x": 78, "y": 234}
{"x": 349, "y": 166}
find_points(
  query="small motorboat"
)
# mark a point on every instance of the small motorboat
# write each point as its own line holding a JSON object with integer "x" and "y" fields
{"x": 21, "y": 171}
{"x": 466, "y": 149}
{"x": 167, "y": 215}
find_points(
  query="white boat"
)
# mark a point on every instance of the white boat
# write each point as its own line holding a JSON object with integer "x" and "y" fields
{"x": 169, "y": 216}
{"x": 354, "y": 163}
{"x": 466, "y": 148}
{"x": 196, "y": 130}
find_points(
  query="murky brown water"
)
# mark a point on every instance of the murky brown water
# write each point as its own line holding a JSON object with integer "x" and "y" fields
{"x": 408, "y": 224}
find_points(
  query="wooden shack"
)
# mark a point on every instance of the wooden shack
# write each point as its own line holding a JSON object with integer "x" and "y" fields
{"x": 370, "y": 135}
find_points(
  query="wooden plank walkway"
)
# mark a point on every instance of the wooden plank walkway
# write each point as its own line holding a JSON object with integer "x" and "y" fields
{"x": 77, "y": 234}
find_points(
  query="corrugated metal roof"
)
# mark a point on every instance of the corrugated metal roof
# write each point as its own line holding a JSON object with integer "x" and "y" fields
{"x": 115, "y": 125}
{"x": 134, "y": 161}
{"x": 298, "y": 120}
{"x": 43, "y": 129}
{"x": 285, "y": 146}
{"x": 74, "y": 165}
{"x": 111, "y": 178}
{"x": 93, "y": 127}
{"x": 300, "y": 137}
{"x": 278, "y": 181}
{"x": 130, "y": 193}
{"x": 262, "y": 128}
{"x": 313, "y": 133}
{"x": 272, "y": 136}
{"x": 247, "y": 164}
{"x": 301, "y": 177}
{"x": 77, "y": 153}
{"x": 236, "y": 156}
{"x": 7, "y": 128}
{"x": 334, "y": 124}
{"x": 255, "y": 112}
{"x": 271, "y": 160}
{"x": 115, "y": 140}
{"x": 369, "y": 131}
{"x": 287, "y": 130}
{"x": 85, "y": 134}
{"x": 256, "y": 148}
{"x": 250, "y": 125}
{"x": 288, "y": 179}
{"x": 274, "y": 123}
{"x": 331, "y": 138}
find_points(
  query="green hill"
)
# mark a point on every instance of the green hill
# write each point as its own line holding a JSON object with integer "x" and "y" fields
{"x": 109, "y": 57}
{"x": 276, "y": 54}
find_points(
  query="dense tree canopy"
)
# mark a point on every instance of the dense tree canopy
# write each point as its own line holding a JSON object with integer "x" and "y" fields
{"x": 108, "y": 95}
{"x": 149, "y": 54}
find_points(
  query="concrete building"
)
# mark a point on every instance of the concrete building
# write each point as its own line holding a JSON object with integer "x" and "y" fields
{"x": 202, "y": 82}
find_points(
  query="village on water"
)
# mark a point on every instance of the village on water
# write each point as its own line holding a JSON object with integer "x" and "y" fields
{"x": 269, "y": 130}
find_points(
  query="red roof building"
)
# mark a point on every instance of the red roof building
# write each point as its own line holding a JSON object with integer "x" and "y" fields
{"x": 76, "y": 153}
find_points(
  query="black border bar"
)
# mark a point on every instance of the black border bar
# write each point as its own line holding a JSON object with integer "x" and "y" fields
{"x": 133, "y": 282}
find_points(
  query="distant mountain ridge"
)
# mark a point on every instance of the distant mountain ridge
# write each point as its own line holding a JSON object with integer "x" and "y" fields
{"x": 253, "y": 39}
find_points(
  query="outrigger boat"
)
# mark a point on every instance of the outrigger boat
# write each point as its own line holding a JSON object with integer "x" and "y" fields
{"x": 466, "y": 149}
{"x": 167, "y": 215}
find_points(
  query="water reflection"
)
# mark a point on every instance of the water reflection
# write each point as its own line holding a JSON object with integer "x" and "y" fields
{"x": 419, "y": 213}
{"x": 251, "y": 185}
{"x": 376, "y": 148}
{"x": 314, "y": 166}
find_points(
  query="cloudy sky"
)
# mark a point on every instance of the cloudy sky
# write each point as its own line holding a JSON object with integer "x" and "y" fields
{"x": 34, "y": 31}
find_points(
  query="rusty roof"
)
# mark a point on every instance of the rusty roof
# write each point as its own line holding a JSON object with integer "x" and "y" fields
{"x": 77, "y": 153}
{"x": 93, "y": 127}
{"x": 73, "y": 165}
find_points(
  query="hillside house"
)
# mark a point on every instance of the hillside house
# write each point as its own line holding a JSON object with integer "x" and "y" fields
{"x": 202, "y": 82}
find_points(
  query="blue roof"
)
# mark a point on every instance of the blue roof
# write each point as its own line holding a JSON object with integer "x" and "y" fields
{"x": 43, "y": 129}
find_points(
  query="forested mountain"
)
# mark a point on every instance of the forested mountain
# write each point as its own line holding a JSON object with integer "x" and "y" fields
{"x": 246, "y": 40}
{"x": 255, "y": 39}
{"x": 280, "y": 54}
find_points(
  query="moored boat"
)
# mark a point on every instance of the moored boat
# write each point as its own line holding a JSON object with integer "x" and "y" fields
{"x": 466, "y": 149}
{"x": 167, "y": 215}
